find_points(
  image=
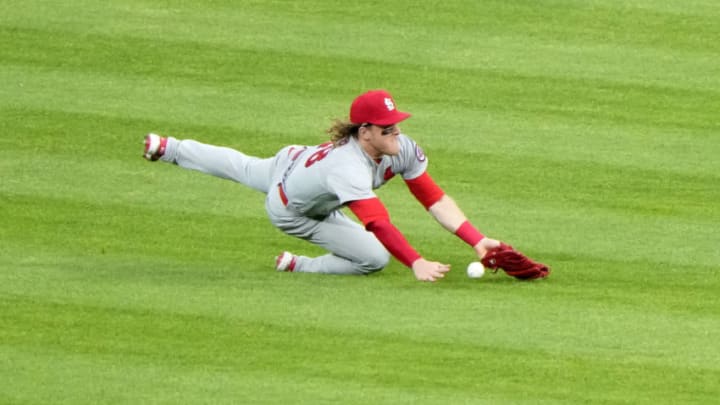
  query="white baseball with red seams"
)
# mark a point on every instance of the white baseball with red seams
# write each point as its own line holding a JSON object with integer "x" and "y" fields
{"x": 475, "y": 270}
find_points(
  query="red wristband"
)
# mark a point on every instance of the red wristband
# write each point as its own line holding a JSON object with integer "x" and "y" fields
{"x": 469, "y": 234}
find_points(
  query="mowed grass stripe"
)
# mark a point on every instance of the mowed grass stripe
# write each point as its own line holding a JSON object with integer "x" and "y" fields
{"x": 643, "y": 346}
{"x": 91, "y": 228}
{"x": 611, "y": 56}
{"x": 630, "y": 316}
{"x": 216, "y": 343}
{"x": 449, "y": 363}
{"x": 445, "y": 37}
{"x": 595, "y": 99}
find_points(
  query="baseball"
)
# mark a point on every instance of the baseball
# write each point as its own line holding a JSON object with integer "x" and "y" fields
{"x": 475, "y": 270}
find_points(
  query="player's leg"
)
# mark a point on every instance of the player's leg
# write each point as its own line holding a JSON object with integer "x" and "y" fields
{"x": 353, "y": 250}
{"x": 221, "y": 161}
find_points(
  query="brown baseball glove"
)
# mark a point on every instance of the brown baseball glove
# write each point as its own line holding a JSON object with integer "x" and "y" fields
{"x": 514, "y": 263}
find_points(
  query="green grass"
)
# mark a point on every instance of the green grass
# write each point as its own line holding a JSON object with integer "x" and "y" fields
{"x": 582, "y": 132}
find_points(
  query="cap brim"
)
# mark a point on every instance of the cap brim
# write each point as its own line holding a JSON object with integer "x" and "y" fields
{"x": 392, "y": 119}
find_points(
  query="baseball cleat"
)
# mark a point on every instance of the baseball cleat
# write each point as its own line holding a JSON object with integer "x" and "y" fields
{"x": 154, "y": 146}
{"x": 285, "y": 262}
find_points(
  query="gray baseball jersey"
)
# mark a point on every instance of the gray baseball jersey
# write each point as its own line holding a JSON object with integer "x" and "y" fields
{"x": 321, "y": 178}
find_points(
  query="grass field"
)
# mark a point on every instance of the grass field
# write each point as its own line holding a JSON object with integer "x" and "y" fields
{"x": 585, "y": 133}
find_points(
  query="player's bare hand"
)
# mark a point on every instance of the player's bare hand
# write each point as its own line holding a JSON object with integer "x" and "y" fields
{"x": 484, "y": 245}
{"x": 429, "y": 271}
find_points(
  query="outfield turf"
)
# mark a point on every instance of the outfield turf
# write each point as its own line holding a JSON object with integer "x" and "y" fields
{"x": 585, "y": 133}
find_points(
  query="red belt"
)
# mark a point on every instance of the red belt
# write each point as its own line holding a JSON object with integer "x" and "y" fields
{"x": 283, "y": 197}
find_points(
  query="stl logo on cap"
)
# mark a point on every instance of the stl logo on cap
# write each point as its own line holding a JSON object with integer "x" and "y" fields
{"x": 389, "y": 104}
{"x": 376, "y": 107}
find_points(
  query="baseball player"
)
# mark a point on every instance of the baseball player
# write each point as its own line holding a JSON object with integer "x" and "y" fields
{"x": 306, "y": 187}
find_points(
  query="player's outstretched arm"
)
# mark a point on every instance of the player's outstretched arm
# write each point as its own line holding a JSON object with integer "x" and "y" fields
{"x": 451, "y": 217}
{"x": 448, "y": 214}
{"x": 491, "y": 252}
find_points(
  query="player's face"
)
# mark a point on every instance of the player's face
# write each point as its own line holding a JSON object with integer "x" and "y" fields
{"x": 382, "y": 140}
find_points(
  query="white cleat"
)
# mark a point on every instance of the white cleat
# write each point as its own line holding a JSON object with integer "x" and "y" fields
{"x": 285, "y": 262}
{"x": 154, "y": 146}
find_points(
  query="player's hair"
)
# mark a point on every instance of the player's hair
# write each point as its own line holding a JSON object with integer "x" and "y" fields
{"x": 340, "y": 131}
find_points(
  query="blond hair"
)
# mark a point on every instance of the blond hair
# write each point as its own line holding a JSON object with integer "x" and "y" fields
{"x": 341, "y": 131}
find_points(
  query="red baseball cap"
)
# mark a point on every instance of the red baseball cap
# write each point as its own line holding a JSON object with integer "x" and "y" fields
{"x": 376, "y": 107}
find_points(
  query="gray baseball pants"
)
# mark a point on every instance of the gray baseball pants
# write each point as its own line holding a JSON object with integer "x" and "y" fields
{"x": 353, "y": 250}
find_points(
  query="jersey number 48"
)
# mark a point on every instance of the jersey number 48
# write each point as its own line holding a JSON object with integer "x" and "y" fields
{"x": 320, "y": 154}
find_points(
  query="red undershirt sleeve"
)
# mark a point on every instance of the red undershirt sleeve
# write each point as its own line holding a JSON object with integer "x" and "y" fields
{"x": 425, "y": 190}
{"x": 374, "y": 216}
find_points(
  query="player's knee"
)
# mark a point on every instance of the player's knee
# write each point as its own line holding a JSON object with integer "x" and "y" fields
{"x": 375, "y": 261}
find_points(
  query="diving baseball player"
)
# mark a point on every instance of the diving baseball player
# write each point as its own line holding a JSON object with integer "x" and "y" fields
{"x": 306, "y": 187}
